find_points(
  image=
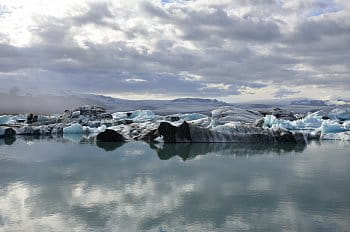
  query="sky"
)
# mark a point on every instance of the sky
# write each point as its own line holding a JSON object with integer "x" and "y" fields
{"x": 232, "y": 50}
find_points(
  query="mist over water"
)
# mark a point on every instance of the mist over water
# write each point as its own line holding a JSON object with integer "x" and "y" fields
{"x": 59, "y": 185}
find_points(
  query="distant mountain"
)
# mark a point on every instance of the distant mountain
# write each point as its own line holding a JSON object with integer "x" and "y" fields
{"x": 57, "y": 104}
{"x": 306, "y": 102}
{"x": 198, "y": 101}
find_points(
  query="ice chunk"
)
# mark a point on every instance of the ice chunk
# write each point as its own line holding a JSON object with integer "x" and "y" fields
{"x": 159, "y": 139}
{"x": 341, "y": 114}
{"x": 227, "y": 114}
{"x": 331, "y": 126}
{"x": 97, "y": 130}
{"x": 4, "y": 119}
{"x": 75, "y": 114}
{"x": 310, "y": 122}
{"x": 191, "y": 117}
{"x": 136, "y": 116}
{"x": 203, "y": 122}
{"x": 337, "y": 136}
{"x": 346, "y": 125}
{"x": 119, "y": 115}
{"x": 75, "y": 128}
{"x": 143, "y": 116}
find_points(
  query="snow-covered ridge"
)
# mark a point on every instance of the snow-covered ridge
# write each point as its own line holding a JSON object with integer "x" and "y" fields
{"x": 225, "y": 124}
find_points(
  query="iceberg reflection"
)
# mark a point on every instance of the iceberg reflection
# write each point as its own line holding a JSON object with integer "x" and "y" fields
{"x": 189, "y": 151}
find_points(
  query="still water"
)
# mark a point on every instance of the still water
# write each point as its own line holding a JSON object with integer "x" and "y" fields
{"x": 61, "y": 185}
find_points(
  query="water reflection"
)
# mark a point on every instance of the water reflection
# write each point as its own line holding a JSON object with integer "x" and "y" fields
{"x": 109, "y": 146}
{"x": 7, "y": 141}
{"x": 57, "y": 185}
{"x": 190, "y": 150}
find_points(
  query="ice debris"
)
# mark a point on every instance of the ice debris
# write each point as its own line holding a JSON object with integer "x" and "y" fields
{"x": 4, "y": 119}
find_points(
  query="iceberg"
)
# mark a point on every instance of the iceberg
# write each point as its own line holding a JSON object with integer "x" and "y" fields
{"x": 310, "y": 122}
{"x": 75, "y": 128}
{"x": 340, "y": 114}
{"x": 227, "y": 114}
{"x": 136, "y": 116}
{"x": 345, "y": 136}
{"x": 143, "y": 116}
{"x": 191, "y": 117}
{"x": 188, "y": 133}
{"x": 346, "y": 125}
{"x": 96, "y": 130}
{"x": 226, "y": 124}
{"x": 4, "y": 119}
{"x": 331, "y": 126}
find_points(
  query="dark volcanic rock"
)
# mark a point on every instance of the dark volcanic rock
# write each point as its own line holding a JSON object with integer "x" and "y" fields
{"x": 110, "y": 136}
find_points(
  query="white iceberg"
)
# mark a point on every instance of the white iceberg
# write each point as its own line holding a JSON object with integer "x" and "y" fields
{"x": 96, "y": 130}
{"x": 310, "y": 122}
{"x": 75, "y": 128}
{"x": 346, "y": 125}
{"x": 331, "y": 126}
{"x": 119, "y": 116}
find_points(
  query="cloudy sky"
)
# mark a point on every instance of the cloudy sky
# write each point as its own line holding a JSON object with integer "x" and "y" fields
{"x": 233, "y": 50}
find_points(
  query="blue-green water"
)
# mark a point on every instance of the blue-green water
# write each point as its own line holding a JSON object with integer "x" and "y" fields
{"x": 58, "y": 185}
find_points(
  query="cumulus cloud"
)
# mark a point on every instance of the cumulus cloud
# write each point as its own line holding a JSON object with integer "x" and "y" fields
{"x": 177, "y": 48}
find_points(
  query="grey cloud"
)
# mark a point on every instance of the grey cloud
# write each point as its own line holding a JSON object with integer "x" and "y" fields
{"x": 96, "y": 14}
{"x": 226, "y": 49}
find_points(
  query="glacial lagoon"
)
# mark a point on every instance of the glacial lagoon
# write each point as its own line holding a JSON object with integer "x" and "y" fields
{"x": 64, "y": 184}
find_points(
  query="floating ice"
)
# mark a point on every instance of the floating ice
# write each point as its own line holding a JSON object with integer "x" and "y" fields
{"x": 341, "y": 114}
{"x": 345, "y": 136}
{"x": 227, "y": 114}
{"x": 191, "y": 117}
{"x": 4, "y": 119}
{"x": 75, "y": 128}
{"x": 143, "y": 116}
{"x": 310, "y": 122}
{"x": 75, "y": 114}
{"x": 97, "y": 130}
{"x": 346, "y": 125}
{"x": 137, "y": 116}
{"x": 119, "y": 115}
{"x": 331, "y": 126}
